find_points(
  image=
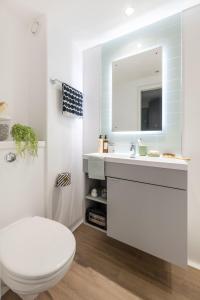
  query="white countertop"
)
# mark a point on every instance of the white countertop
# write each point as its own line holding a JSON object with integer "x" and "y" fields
{"x": 11, "y": 144}
{"x": 158, "y": 162}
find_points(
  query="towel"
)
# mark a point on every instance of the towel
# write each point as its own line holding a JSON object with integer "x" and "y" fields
{"x": 72, "y": 101}
{"x": 96, "y": 167}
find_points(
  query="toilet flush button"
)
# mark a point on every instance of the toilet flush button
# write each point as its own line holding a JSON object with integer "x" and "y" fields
{"x": 10, "y": 157}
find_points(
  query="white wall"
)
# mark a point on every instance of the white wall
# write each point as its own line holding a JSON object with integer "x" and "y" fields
{"x": 23, "y": 87}
{"x": 166, "y": 33}
{"x": 191, "y": 142}
{"x": 21, "y": 185}
{"x": 64, "y": 135}
{"x": 27, "y": 62}
{"x": 92, "y": 102}
{"x": 23, "y": 69}
{"x": 37, "y": 78}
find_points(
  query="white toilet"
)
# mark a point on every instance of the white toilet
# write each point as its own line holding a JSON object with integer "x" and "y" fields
{"x": 35, "y": 254}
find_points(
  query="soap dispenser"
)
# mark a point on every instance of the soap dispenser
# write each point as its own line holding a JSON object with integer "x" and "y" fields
{"x": 100, "y": 148}
{"x": 105, "y": 144}
{"x": 132, "y": 150}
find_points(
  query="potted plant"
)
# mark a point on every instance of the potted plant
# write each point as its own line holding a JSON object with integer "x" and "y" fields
{"x": 25, "y": 139}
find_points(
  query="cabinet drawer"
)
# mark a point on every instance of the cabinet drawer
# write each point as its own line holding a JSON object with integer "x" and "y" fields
{"x": 150, "y": 218}
{"x": 159, "y": 176}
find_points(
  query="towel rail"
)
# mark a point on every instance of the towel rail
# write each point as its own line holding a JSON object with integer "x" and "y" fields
{"x": 55, "y": 81}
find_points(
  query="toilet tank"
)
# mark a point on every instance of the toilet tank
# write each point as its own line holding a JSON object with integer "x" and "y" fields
{"x": 22, "y": 185}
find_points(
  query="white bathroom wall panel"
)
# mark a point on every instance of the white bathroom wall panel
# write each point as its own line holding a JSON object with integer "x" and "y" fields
{"x": 92, "y": 95}
{"x": 21, "y": 185}
{"x": 27, "y": 62}
{"x": 23, "y": 68}
{"x": 64, "y": 135}
{"x": 37, "y": 83}
{"x": 191, "y": 141}
{"x": 13, "y": 64}
{"x": 23, "y": 86}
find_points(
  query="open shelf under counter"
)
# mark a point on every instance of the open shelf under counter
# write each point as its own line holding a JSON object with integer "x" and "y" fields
{"x": 96, "y": 199}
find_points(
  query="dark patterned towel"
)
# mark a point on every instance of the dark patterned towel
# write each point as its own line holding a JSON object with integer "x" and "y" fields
{"x": 72, "y": 101}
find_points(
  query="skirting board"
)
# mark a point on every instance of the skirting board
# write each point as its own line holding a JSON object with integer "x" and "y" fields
{"x": 4, "y": 289}
{"x": 193, "y": 264}
{"x": 76, "y": 225}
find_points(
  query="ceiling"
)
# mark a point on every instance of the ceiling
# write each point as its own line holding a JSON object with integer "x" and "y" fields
{"x": 92, "y": 21}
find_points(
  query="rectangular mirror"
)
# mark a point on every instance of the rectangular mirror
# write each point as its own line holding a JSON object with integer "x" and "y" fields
{"x": 137, "y": 92}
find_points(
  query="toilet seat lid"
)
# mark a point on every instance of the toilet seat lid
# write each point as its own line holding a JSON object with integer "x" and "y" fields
{"x": 36, "y": 247}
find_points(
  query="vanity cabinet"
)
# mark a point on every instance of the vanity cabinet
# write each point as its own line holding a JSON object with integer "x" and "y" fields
{"x": 149, "y": 217}
{"x": 147, "y": 206}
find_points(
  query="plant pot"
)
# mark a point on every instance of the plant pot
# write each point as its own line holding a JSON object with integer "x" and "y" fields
{"x": 4, "y": 128}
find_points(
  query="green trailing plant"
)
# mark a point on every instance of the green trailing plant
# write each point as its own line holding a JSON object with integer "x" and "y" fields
{"x": 25, "y": 139}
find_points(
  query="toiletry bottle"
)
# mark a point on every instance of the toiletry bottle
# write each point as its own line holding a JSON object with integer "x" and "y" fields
{"x": 142, "y": 148}
{"x": 105, "y": 144}
{"x": 100, "y": 149}
{"x": 111, "y": 147}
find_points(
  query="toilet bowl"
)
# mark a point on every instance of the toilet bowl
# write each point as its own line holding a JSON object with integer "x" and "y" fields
{"x": 35, "y": 254}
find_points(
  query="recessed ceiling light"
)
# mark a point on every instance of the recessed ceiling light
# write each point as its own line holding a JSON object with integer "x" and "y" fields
{"x": 139, "y": 45}
{"x": 129, "y": 11}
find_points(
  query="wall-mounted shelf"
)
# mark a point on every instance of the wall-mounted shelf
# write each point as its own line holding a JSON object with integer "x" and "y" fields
{"x": 11, "y": 145}
{"x": 97, "y": 199}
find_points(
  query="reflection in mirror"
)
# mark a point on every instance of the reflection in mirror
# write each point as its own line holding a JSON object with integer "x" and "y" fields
{"x": 137, "y": 92}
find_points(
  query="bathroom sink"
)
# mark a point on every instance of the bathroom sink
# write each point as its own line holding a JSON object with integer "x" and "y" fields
{"x": 124, "y": 158}
{"x": 109, "y": 155}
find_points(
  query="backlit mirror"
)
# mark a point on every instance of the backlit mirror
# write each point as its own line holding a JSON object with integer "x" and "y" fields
{"x": 137, "y": 92}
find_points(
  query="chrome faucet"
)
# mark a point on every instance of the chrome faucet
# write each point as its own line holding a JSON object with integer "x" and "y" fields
{"x": 132, "y": 150}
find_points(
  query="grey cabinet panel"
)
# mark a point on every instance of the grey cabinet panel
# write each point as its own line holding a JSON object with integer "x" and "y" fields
{"x": 85, "y": 165}
{"x": 159, "y": 176}
{"x": 150, "y": 218}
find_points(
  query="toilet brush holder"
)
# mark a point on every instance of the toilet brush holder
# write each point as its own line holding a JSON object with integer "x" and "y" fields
{"x": 63, "y": 179}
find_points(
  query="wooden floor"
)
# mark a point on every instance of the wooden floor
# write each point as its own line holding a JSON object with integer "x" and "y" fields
{"x": 105, "y": 269}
